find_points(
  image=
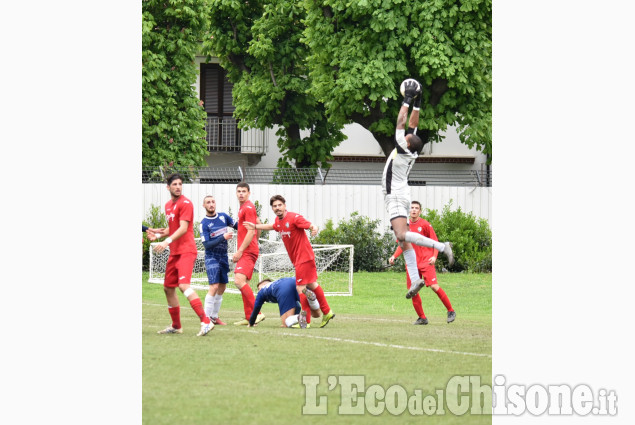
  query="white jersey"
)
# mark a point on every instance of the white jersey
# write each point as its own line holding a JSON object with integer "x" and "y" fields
{"x": 398, "y": 166}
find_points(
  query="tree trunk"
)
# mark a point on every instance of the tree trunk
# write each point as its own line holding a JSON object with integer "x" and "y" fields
{"x": 387, "y": 143}
{"x": 293, "y": 133}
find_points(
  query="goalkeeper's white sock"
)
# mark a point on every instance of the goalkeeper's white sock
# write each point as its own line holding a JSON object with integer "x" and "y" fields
{"x": 411, "y": 264}
{"x": 218, "y": 299}
{"x": 209, "y": 304}
{"x": 314, "y": 304}
{"x": 421, "y": 240}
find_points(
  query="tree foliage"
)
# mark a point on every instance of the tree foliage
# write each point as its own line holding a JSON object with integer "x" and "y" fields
{"x": 173, "y": 119}
{"x": 471, "y": 238}
{"x": 372, "y": 248}
{"x": 259, "y": 44}
{"x": 360, "y": 51}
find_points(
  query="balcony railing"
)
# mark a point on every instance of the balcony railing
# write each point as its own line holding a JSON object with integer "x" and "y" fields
{"x": 223, "y": 135}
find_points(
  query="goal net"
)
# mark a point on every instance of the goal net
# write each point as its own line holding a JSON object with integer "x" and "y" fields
{"x": 334, "y": 266}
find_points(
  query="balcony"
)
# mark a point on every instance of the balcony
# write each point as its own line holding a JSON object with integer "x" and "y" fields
{"x": 223, "y": 135}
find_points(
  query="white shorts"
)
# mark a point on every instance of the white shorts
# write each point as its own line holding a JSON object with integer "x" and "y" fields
{"x": 397, "y": 205}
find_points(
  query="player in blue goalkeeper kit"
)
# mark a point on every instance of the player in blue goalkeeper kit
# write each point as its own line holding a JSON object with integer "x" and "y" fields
{"x": 215, "y": 232}
{"x": 284, "y": 293}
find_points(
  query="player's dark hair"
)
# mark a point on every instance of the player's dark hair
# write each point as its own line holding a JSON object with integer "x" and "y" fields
{"x": 172, "y": 177}
{"x": 243, "y": 184}
{"x": 275, "y": 198}
{"x": 261, "y": 282}
{"x": 416, "y": 144}
{"x": 416, "y": 202}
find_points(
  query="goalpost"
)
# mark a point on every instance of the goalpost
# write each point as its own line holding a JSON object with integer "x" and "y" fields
{"x": 334, "y": 265}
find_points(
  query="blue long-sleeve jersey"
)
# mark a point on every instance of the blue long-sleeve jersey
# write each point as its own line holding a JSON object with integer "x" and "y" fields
{"x": 282, "y": 292}
{"x": 213, "y": 230}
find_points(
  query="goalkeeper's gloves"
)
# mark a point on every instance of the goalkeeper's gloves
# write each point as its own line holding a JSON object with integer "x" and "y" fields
{"x": 416, "y": 102}
{"x": 412, "y": 91}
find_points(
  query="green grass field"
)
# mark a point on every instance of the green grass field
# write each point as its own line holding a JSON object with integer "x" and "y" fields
{"x": 239, "y": 375}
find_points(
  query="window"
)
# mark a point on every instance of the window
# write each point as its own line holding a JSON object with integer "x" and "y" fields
{"x": 216, "y": 94}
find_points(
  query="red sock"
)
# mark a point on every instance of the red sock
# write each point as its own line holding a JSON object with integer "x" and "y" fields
{"x": 319, "y": 294}
{"x": 416, "y": 301}
{"x": 444, "y": 299}
{"x": 197, "y": 305}
{"x": 175, "y": 314}
{"x": 305, "y": 306}
{"x": 248, "y": 300}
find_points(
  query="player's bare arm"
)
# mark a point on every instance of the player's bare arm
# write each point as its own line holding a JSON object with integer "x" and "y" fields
{"x": 402, "y": 117}
{"x": 414, "y": 119}
{"x": 258, "y": 226}
{"x": 183, "y": 224}
{"x": 158, "y": 232}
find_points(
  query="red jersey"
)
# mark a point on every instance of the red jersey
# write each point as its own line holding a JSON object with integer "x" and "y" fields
{"x": 291, "y": 229}
{"x": 247, "y": 212}
{"x": 423, "y": 227}
{"x": 423, "y": 253}
{"x": 182, "y": 209}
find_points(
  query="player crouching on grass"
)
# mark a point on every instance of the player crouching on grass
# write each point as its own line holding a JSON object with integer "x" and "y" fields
{"x": 282, "y": 292}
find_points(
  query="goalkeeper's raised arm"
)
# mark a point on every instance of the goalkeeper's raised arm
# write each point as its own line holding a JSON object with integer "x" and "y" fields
{"x": 412, "y": 96}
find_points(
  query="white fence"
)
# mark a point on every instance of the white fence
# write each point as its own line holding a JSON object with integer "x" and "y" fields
{"x": 318, "y": 203}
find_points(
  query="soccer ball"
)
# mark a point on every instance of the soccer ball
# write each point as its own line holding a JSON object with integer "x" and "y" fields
{"x": 402, "y": 88}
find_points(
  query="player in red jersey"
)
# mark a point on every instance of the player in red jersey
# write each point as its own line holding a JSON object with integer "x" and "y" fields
{"x": 426, "y": 257}
{"x": 291, "y": 227}
{"x": 178, "y": 273}
{"x": 246, "y": 252}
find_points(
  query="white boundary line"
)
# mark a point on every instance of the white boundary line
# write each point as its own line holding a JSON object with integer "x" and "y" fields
{"x": 380, "y": 344}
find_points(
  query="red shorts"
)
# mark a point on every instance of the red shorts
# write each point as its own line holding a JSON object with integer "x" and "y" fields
{"x": 429, "y": 275}
{"x": 305, "y": 273}
{"x": 178, "y": 270}
{"x": 246, "y": 264}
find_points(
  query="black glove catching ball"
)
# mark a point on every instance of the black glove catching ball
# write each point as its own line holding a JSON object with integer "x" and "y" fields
{"x": 411, "y": 91}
